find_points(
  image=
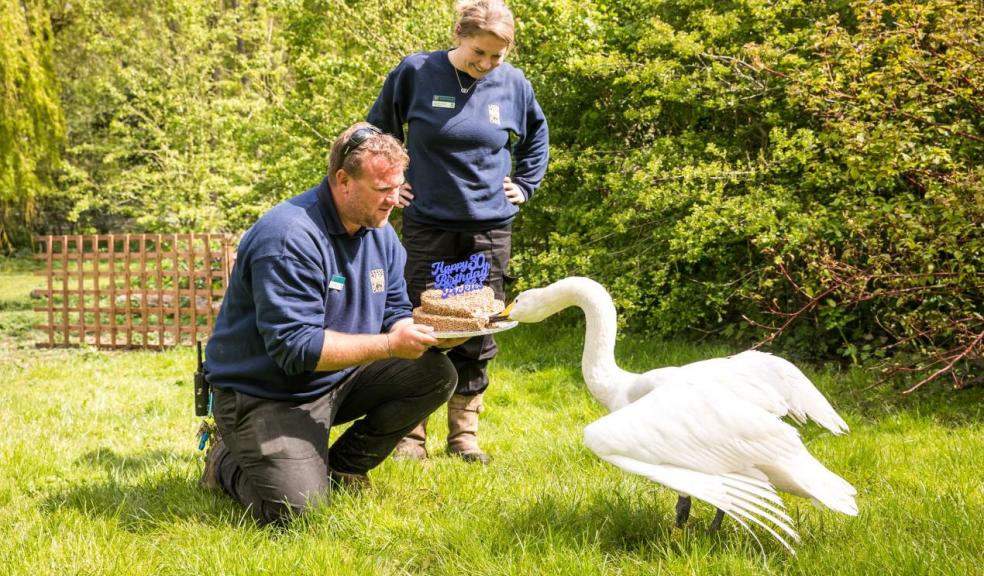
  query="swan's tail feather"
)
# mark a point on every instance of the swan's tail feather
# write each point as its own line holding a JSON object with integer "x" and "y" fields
{"x": 757, "y": 512}
{"x": 815, "y": 481}
{"x": 760, "y": 489}
{"x": 752, "y": 501}
{"x": 747, "y": 498}
{"x": 738, "y": 495}
{"x": 766, "y": 492}
{"x": 761, "y": 504}
{"x": 737, "y": 516}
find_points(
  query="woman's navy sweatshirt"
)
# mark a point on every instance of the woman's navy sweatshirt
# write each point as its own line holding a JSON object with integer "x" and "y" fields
{"x": 462, "y": 146}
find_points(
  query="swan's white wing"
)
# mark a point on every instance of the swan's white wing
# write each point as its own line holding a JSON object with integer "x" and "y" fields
{"x": 704, "y": 442}
{"x": 804, "y": 400}
{"x": 718, "y": 376}
{"x": 699, "y": 426}
{"x": 768, "y": 381}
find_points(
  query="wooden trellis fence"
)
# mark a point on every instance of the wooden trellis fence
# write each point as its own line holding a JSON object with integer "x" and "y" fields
{"x": 132, "y": 290}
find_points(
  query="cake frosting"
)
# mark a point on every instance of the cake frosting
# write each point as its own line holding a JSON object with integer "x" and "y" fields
{"x": 464, "y": 312}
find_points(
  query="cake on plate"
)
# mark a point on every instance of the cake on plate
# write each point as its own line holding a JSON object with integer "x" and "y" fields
{"x": 465, "y": 312}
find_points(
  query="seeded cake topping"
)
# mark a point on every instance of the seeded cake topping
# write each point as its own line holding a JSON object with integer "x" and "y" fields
{"x": 464, "y": 312}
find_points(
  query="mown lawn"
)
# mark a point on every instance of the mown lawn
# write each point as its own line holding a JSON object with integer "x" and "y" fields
{"x": 99, "y": 475}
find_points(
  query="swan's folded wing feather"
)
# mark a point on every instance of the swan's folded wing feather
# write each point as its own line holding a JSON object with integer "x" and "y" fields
{"x": 770, "y": 382}
{"x": 724, "y": 375}
{"x": 731, "y": 494}
{"x": 805, "y": 402}
{"x": 697, "y": 427}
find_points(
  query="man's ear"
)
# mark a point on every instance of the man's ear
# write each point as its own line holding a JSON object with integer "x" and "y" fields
{"x": 342, "y": 177}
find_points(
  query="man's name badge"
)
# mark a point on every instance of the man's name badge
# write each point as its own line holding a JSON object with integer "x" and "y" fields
{"x": 337, "y": 282}
{"x": 443, "y": 102}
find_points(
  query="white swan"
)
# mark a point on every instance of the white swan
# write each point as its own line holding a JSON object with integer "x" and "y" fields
{"x": 710, "y": 429}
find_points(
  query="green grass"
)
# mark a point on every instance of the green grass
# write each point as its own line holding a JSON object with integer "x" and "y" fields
{"x": 17, "y": 319}
{"x": 99, "y": 471}
{"x": 19, "y": 279}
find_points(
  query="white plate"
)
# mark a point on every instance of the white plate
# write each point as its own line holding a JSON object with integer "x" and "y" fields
{"x": 499, "y": 327}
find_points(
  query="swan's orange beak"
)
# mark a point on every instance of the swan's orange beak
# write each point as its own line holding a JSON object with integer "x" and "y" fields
{"x": 504, "y": 315}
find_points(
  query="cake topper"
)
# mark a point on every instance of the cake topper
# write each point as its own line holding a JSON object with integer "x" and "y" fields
{"x": 460, "y": 277}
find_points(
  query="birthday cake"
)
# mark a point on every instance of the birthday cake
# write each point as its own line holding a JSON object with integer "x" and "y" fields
{"x": 465, "y": 312}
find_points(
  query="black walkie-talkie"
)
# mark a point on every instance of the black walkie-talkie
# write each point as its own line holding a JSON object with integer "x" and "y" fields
{"x": 202, "y": 391}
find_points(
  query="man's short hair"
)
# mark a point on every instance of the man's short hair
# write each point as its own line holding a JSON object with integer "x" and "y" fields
{"x": 376, "y": 144}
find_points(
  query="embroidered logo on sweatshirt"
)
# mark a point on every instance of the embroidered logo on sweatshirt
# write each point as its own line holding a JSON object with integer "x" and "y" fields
{"x": 442, "y": 101}
{"x": 377, "y": 279}
{"x": 494, "y": 114}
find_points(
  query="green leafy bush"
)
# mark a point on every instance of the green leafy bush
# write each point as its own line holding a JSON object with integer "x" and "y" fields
{"x": 806, "y": 174}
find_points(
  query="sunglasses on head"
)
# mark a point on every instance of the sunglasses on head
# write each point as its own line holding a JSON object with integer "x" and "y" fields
{"x": 358, "y": 138}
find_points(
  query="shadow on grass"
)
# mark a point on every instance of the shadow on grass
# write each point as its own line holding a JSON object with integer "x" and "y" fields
{"x": 613, "y": 523}
{"x": 142, "y": 492}
{"x": 639, "y": 525}
{"x": 112, "y": 462}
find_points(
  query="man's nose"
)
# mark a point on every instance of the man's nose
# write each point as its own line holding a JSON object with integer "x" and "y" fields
{"x": 394, "y": 196}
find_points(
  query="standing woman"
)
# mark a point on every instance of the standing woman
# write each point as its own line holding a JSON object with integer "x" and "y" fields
{"x": 477, "y": 140}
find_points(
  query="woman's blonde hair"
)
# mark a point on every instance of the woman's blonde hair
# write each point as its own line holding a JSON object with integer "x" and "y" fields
{"x": 485, "y": 17}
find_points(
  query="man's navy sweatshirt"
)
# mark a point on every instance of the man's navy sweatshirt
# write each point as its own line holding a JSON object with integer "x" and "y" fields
{"x": 298, "y": 273}
{"x": 462, "y": 146}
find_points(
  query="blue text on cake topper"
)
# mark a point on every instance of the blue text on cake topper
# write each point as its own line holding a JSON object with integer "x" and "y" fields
{"x": 461, "y": 277}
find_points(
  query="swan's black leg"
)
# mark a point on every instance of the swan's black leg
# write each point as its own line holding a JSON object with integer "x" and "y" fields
{"x": 682, "y": 511}
{"x": 716, "y": 523}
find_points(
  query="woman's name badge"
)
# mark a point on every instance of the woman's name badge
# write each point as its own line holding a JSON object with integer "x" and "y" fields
{"x": 443, "y": 101}
{"x": 337, "y": 282}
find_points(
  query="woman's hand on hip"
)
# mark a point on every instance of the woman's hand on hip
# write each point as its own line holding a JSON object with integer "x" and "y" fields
{"x": 513, "y": 192}
{"x": 406, "y": 195}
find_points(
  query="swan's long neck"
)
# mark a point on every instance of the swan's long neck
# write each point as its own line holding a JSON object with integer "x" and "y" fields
{"x": 603, "y": 377}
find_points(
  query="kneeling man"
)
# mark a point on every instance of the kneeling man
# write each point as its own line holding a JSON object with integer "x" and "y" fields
{"x": 316, "y": 330}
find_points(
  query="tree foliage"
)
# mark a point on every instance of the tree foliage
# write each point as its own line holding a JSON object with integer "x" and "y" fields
{"x": 31, "y": 127}
{"x": 171, "y": 110}
{"x": 801, "y": 173}
{"x": 807, "y": 174}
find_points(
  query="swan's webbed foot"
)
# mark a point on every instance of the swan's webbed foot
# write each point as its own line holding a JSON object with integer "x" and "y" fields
{"x": 716, "y": 523}
{"x": 682, "y": 511}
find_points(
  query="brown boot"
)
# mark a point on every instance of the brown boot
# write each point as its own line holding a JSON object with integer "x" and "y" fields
{"x": 463, "y": 428}
{"x": 348, "y": 481}
{"x": 210, "y": 475}
{"x": 411, "y": 446}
